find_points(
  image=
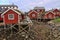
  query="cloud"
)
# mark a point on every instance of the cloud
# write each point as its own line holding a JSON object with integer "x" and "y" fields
{"x": 4, "y": 2}
{"x": 40, "y": 2}
{"x": 48, "y": 4}
{"x": 36, "y": 4}
{"x": 14, "y": 1}
{"x": 29, "y": 4}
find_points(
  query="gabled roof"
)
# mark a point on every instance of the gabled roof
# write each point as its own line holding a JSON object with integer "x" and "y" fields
{"x": 56, "y": 10}
{"x": 13, "y": 10}
{"x": 32, "y": 11}
{"x": 49, "y": 12}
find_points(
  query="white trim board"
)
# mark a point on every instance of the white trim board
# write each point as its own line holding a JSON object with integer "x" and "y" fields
{"x": 10, "y": 9}
{"x": 32, "y": 11}
{"x": 49, "y": 12}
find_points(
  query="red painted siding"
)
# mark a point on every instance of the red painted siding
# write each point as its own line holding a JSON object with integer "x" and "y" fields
{"x": 56, "y": 10}
{"x": 33, "y": 13}
{"x": 59, "y": 14}
{"x": 49, "y": 16}
{"x": 1, "y": 19}
{"x": 7, "y": 21}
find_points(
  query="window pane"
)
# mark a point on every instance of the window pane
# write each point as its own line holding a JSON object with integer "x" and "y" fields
{"x": 33, "y": 15}
{"x": 11, "y": 16}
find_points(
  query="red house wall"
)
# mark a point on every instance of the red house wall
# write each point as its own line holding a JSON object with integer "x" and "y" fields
{"x": 58, "y": 14}
{"x": 1, "y": 19}
{"x": 49, "y": 16}
{"x": 31, "y": 17}
{"x": 56, "y": 10}
{"x": 7, "y": 21}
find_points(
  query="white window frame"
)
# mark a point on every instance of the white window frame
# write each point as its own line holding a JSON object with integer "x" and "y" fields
{"x": 33, "y": 15}
{"x": 10, "y": 18}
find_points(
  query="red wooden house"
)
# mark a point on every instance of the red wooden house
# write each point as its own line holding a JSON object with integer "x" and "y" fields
{"x": 49, "y": 15}
{"x": 33, "y": 14}
{"x": 57, "y": 12}
{"x": 11, "y": 16}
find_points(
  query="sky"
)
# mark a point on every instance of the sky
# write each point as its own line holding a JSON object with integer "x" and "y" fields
{"x": 26, "y": 5}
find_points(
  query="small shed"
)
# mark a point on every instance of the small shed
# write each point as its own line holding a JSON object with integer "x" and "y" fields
{"x": 49, "y": 15}
{"x": 11, "y": 16}
{"x": 33, "y": 14}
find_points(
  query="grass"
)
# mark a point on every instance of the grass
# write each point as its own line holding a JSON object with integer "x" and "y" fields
{"x": 57, "y": 20}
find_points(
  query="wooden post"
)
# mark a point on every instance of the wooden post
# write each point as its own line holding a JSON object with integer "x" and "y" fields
{"x": 19, "y": 21}
{"x": 11, "y": 29}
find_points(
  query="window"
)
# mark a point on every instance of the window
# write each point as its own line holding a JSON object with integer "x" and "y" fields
{"x": 11, "y": 16}
{"x": 33, "y": 15}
